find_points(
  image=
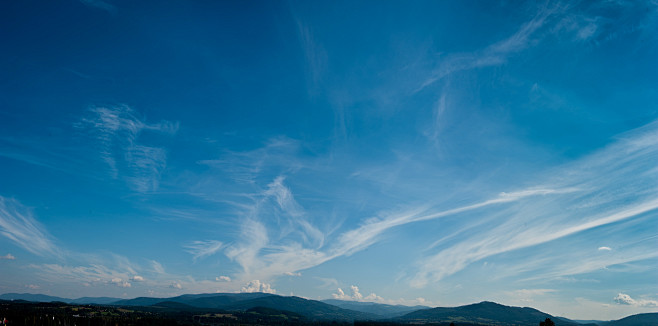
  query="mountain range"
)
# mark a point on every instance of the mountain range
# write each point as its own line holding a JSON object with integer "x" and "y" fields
{"x": 483, "y": 313}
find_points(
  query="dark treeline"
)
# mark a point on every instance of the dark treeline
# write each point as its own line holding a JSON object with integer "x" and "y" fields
{"x": 23, "y": 313}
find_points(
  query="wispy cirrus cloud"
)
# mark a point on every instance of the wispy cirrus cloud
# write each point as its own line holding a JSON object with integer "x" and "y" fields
{"x": 315, "y": 55}
{"x": 115, "y": 131}
{"x": 201, "y": 249}
{"x": 494, "y": 54}
{"x": 601, "y": 189}
{"x": 92, "y": 274}
{"x": 615, "y": 184}
{"x": 18, "y": 224}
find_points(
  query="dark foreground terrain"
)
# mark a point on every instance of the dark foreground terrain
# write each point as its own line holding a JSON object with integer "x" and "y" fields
{"x": 26, "y": 313}
{"x": 269, "y": 309}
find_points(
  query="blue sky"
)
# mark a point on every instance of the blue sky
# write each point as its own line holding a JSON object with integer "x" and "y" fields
{"x": 438, "y": 153}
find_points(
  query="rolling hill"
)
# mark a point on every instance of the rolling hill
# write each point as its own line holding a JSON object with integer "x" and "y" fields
{"x": 483, "y": 313}
{"x": 48, "y": 298}
{"x": 649, "y": 319}
{"x": 311, "y": 309}
{"x": 383, "y": 310}
{"x": 293, "y": 308}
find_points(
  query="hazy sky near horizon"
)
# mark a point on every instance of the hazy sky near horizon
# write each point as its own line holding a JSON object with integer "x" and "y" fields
{"x": 438, "y": 153}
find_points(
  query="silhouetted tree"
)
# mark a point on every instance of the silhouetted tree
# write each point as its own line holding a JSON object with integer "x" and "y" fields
{"x": 547, "y": 322}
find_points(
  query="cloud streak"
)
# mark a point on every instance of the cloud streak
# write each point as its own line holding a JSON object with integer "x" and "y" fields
{"x": 609, "y": 186}
{"x": 494, "y": 54}
{"x": 116, "y": 130}
{"x": 8, "y": 257}
{"x": 625, "y": 299}
{"x": 202, "y": 249}
{"x": 614, "y": 184}
{"x": 19, "y": 225}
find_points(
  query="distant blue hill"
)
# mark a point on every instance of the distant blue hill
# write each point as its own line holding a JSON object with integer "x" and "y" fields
{"x": 311, "y": 309}
{"x": 483, "y": 313}
{"x": 649, "y": 319}
{"x": 48, "y": 298}
{"x": 31, "y": 297}
{"x": 383, "y": 310}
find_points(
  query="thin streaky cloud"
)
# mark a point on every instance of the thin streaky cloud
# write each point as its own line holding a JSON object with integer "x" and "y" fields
{"x": 18, "y": 224}
{"x": 8, "y": 257}
{"x": 116, "y": 130}
{"x": 529, "y": 207}
{"x": 627, "y": 191}
{"x": 494, "y": 54}
{"x": 202, "y": 249}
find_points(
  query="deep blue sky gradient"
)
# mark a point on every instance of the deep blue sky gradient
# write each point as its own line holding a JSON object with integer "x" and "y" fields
{"x": 437, "y": 153}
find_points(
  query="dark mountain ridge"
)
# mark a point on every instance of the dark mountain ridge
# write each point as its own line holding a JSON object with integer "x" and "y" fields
{"x": 384, "y": 310}
{"x": 483, "y": 313}
{"x": 311, "y": 309}
{"x": 48, "y": 298}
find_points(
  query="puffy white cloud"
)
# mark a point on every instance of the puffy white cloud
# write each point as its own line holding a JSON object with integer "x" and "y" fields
{"x": 356, "y": 295}
{"x": 176, "y": 285}
{"x": 120, "y": 283}
{"x": 340, "y": 295}
{"x": 373, "y": 297}
{"x": 223, "y": 279}
{"x": 626, "y": 299}
{"x": 293, "y": 274}
{"x": 137, "y": 278}
{"x": 257, "y": 286}
{"x": 8, "y": 256}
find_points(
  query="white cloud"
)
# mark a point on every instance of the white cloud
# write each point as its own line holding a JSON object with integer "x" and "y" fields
{"x": 609, "y": 186}
{"x": 116, "y": 130}
{"x": 254, "y": 236}
{"x": 372, "y": 297}
{"x": 8, "y": 257}
{"x": 176, "y": 285}
{"x": 356, "y": 295}
{"x": 257, "y": 286}
{"x": 201, "y": 249}
{"x": 157, "y": 267}
{"x": 340, "y": 295}
{"x": 626, "y": 299}
{"x": 223, "y": 279}
{"x": 327, "y": 282}
{"x": 19, "y": 226}
{"x": 605, "y": 249}
{"x": 137, "y": 278}
{"x": 93, "y": 274}
{"x": 495, "y": 54}
{"x": 293, "y": 274}
{"x": 120, "y": 283}
{"x": 528, "y": 295}
{"x": 526, "y": 217}
{"x": 32, "y": 286}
